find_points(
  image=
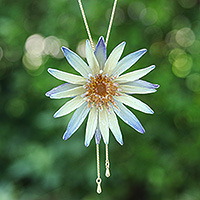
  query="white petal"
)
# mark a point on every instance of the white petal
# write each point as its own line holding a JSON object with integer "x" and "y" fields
{"x": 114, "y": 58}
{"x": 129, "y": 89}
{"x": 76, "y": 62}
{"x": 143, "y": 84}
{"x": 132, "y": 76}
{"x": 100, "y": 52}
{"x": 91, "y": 126}
{"x": 65, "y": 90}
{"x": 91, "y": 59}
{"x": 67, "y": 77}
{"x": 69, "y": 106}
{"x": 114, "y": 126}
{"x": 61, "y": 88}
{"x": 69, "y": 93}
{"x": 128, "y": 117}
{"x": 77, "y": 119}
{"x": 134, "y": 103}
{"x": 128, "y": 61}
{"x": 103, "y": 124}
{"x": 97, "y": 133}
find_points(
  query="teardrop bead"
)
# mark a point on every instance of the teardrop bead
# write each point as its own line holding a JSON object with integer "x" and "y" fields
{"x": 107, "y": 172}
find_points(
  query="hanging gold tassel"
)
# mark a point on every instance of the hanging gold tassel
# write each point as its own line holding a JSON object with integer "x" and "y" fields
{"x": 107, "y": 163}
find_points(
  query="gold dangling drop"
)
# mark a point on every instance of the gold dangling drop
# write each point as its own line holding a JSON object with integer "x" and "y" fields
{"x": 107, "y": 163}
{"x": 98, "y": 180}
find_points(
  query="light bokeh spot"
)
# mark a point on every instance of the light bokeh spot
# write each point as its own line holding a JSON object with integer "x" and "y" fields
{"x": 35, "y": 45}
{"x": 185, "y": 37}
{"x": 31, "y": 61}
{"x": 187, "y": 3}
{"x": 1, "y": 53}
{"x": 52, "y": 47}
{"x": 193, "y": 82}
{"x": 81, "y": 49}
{"x": 182, "y": 65}
{"x": 148, "y": 16}
{"x": 134, "y": 9}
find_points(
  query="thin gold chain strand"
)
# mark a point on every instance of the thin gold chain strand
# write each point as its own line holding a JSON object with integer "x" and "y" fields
{"x": 98, "y": 180}
{"x": 107, "y": 163}
{"x": 86, "y": 24}
{"x": 111, "y": 21}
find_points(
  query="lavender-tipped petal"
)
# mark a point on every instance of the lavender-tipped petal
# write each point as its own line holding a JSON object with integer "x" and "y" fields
{"x": 100, "y": 52}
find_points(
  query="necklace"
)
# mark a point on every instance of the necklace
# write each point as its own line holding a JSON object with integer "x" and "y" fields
{"x": 101, "y": 92}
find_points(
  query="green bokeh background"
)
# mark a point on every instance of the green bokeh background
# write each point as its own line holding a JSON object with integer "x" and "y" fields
{"x": 36, "y": 164}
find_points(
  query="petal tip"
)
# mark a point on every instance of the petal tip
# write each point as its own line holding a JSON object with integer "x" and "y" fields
{"x": 65, "y": 50}
{"x": 101, "y": 41}
{"x": 47, "y": 94}
{"x": 157, "y": 86}
{"x": 101, "y": 38}
{"x": 64, "y": 137}
{"x": 151, "y": 112}
{"x": 143, "y": 131}
{"x": 122, "y": 44}
{"x": 142, "y": 51}
{"x": 55, "y": 115}
{"x": 87, "y": 144}
{"x": 154, "y": 86}
{"x": 49, "y": 70}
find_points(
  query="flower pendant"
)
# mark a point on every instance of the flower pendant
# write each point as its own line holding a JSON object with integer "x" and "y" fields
{"x": 101, "y": 93}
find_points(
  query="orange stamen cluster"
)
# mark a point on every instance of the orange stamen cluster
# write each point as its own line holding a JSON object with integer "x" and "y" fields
{"x": 99, "y": 91}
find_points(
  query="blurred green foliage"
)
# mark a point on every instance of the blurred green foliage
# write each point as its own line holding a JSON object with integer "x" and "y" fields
{"x": 36, "y": 164}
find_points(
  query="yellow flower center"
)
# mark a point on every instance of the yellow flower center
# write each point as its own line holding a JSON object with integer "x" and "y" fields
{"x": 100, "y": 90}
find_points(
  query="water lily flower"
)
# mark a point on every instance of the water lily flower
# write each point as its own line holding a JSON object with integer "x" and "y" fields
{"x": 101, "y": 91}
